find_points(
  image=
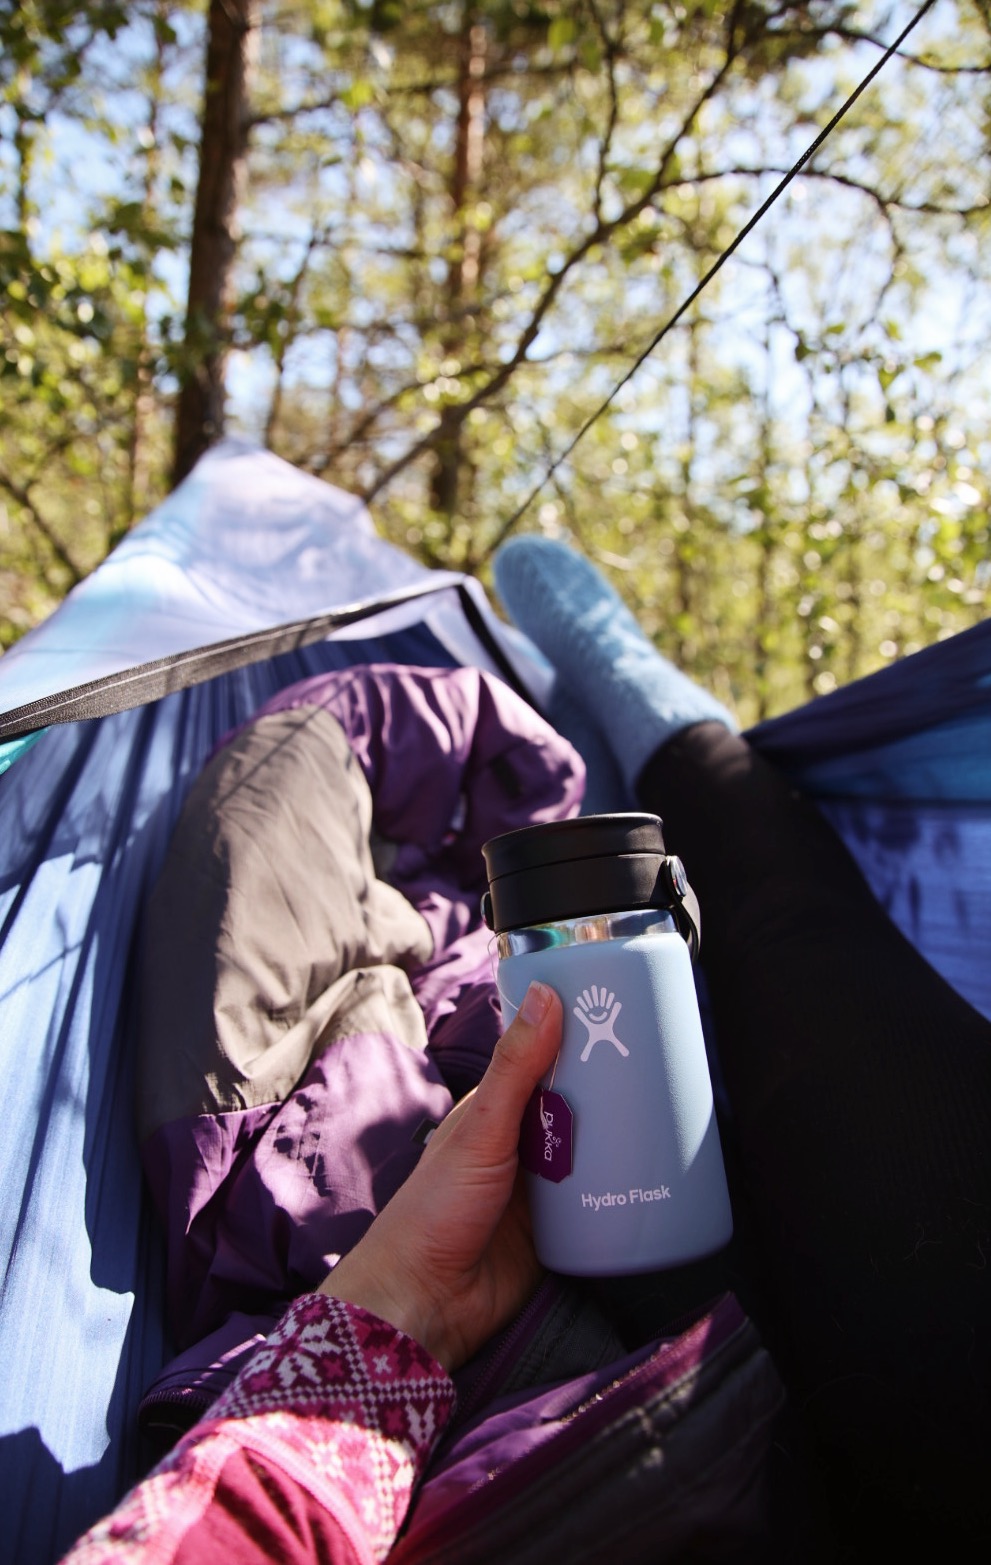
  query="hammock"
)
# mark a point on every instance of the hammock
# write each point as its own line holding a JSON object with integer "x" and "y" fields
{"x": 900, "y": 762}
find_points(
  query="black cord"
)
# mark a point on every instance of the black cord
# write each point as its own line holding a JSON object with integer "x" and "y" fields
{"x": 720, "y": 261}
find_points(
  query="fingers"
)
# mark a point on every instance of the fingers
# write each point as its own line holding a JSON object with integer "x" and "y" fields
{"x": 523, "y": 1055}
{"x": 450, "y": 1257}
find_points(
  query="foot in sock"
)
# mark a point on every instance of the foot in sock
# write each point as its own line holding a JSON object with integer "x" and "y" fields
{"x": 600, "y": 655}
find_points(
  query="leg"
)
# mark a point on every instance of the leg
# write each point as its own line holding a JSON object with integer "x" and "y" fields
{"x": 860, "y": 1082}
{"x": 860, "y": 1085}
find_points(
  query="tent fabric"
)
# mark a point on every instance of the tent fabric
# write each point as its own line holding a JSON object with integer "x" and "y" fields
{"x": 245, "y": 543}
{"x": 899, "y": 762}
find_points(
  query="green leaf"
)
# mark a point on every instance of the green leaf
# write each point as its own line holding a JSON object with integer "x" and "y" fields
{"x": 358, "y": 94}
{"x": 561, "y": 32}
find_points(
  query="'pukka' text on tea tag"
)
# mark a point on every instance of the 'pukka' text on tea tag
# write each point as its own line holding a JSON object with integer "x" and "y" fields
{"x": 545, "y": 1136}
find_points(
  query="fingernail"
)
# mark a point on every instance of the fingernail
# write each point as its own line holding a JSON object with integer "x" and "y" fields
{"x": 535, "y": 1003}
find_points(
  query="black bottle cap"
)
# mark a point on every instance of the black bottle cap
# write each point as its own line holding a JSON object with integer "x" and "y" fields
{"x": 569, "y": 869}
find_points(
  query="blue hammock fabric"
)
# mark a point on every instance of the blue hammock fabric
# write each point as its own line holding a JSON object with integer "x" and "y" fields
{"x": 900, "y": 762}
{"x": 87, "y": 814}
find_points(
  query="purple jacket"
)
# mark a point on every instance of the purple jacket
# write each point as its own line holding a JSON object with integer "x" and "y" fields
{"x": 316, "y": 985}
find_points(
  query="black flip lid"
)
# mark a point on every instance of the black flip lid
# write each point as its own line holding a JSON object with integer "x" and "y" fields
{"x": 594, "y": 864}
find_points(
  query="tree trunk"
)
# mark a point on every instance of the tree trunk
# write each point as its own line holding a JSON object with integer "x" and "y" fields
{"x": 139, "y": 453}
{"x": 223, "y": 142}
{"x": 464, "y": 268}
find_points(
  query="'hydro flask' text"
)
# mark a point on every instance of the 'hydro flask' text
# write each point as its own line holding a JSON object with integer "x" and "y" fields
{"x": 630, "y": 1198}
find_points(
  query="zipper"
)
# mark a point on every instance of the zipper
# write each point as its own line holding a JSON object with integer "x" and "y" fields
{"x": 506, "y": 1349}
{"x": 660, "y": 1369}
{"x": 143, "y": 683}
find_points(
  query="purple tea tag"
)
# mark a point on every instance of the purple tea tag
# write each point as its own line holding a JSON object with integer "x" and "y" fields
{"x": 545, "y": 1136}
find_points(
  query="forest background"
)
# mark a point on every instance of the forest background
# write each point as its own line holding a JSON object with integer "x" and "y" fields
{"x": 412, "y": 246}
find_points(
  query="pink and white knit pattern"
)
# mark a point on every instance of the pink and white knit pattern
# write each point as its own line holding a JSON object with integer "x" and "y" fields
{"x": 336, "y": 1400}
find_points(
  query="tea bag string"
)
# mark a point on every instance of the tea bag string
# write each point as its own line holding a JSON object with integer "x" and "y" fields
{"x": 507, "y": 1005}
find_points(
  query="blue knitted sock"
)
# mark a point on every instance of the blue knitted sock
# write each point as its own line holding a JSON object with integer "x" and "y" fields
{"x": 601, "y": 656}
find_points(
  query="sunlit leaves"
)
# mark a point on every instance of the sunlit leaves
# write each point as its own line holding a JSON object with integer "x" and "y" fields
{"x": 461, "y": 225}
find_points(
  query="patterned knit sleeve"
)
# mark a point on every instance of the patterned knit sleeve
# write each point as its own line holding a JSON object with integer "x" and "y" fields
{"x": 312, "y": 1453}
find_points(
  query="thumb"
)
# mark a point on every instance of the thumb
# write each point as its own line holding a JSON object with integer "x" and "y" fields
{"x": 524, "y": 1054}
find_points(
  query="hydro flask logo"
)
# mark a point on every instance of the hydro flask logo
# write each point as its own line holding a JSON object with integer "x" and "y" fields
{"x": 597, "y": 1010}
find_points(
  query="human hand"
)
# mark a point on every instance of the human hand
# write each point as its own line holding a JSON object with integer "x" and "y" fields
{"x": 450, "y": 1259}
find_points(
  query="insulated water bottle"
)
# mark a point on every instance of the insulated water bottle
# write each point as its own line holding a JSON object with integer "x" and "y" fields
{"x": 620, "y": 1142}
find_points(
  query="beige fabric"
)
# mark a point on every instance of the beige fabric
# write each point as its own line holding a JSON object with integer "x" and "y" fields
{"x": 268, "y": 934}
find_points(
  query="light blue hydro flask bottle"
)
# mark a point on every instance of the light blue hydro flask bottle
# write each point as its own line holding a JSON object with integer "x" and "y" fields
{"x": 620, "y": 1142}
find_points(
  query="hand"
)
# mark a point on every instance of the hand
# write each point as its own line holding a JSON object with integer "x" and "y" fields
{"x": 450, "y": 1259}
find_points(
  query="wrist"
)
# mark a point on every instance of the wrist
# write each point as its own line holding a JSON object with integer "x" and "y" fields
{"x": 401, "y": 1308}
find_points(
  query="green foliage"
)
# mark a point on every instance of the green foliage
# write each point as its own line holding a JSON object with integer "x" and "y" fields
{"x": 462, "y": 223}
{"x": 82, "y": 355}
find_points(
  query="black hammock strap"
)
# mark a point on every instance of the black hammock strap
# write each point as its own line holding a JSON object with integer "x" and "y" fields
{"x": 144, "y": 682}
